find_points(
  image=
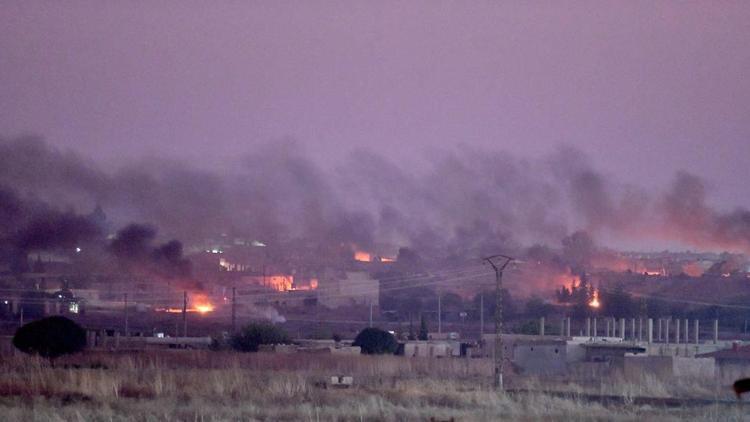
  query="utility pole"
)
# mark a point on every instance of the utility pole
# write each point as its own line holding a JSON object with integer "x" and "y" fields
{"x": 440, "y": 315}
{"x": 127, "y": 332}
{"x": 481, "y": 316}
{"x": 498, "y": 263}
{"x": 184, "y": 313}
{"x": 234, "y": 309}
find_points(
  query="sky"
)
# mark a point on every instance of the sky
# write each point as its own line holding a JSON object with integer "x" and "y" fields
{"x": 644, "y": 88}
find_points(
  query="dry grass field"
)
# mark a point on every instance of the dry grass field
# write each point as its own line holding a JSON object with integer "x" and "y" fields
{"x": 223, "y": 386}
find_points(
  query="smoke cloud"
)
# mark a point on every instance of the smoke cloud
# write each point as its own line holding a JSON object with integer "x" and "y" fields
{"x": 457, "y": 203}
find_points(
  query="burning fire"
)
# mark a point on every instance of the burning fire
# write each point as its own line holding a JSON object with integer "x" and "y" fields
{"x": 362, "y": 256}
{"x": 312, "y": 284}
{"x": 595, "y": 300}
{"x": 204, "y": 308}
{"x": 281, "y": 283}
{"x": 199, "y": 303}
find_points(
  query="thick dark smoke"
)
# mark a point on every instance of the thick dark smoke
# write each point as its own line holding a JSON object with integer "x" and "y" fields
{"x": 29, "y": 225}
{"x": 133, "y": 247}
{"x": 691, "y": 219}
{"x": 455, "y": 204}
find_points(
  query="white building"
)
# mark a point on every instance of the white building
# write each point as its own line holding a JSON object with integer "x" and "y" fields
{"x": 339, "y": 289}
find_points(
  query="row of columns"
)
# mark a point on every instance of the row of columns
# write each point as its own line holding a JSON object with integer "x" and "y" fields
{"x": 616, "y": 328}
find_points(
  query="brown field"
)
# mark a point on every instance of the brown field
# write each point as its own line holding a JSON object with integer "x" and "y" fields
{"x": 218, "y": 386}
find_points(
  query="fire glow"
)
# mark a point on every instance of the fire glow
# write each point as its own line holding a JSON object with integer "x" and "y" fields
{"x": 595, "y": 300}
{"x": 280, "y": 283}
{"x": 199, "y": 303}
{"x": 362, "y": 256}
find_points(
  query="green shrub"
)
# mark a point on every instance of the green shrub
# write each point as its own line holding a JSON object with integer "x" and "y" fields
{"x": 375, "y": 341}
{"x": 50, "y": 337}
{"x": 252, "y": 336}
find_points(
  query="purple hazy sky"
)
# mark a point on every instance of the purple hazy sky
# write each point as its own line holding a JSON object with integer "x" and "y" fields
{"x": 645, "y": 88}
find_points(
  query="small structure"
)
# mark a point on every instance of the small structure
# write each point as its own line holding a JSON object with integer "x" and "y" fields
{"x": 341, "y": 382}
{"x": 609, "y": 352}
{"x": 730, "y": 361}
{"x": 431, "y": 348}
{"x": 539, "y": 356}
{"x": 635, "y": 367}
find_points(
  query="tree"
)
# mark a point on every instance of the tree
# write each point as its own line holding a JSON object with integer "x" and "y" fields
{"x": 509, "y": 306}
{"x": 535, "y": 307}
{"x": 252, "y": 336}
{"x": 424, "y": 333}
{"x": 50, "y": 337}
{"x": 375, "y": 341}
{"x": 618, "y": 303}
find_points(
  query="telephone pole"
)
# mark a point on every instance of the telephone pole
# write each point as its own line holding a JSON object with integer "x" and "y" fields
{"x": 234, "y": 310}
{"x": 127, "y": 331}
{"x": 481, "y": 317}
{"x": 498, "y": 263}
{"x": 440, "y": 316}
{"x": 184, "y": 313}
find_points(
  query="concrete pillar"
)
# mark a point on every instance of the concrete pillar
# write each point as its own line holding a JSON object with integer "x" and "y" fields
{"x": 658, "y": 329}
{"x": 567, "y": 327}
{"x": 716, "y": 331}
{"x": 595, "y": 330}
{"x": 697, "y": 332}
{"x": 622, "y": 328}
{"x": 650, "y": 331}
{"x": 614, "y": 327}
{"x": 606, "y": 330}
{"x": 588, "y": 327}
{"x": 562, "y": 327}
{"x": 667, "y": 323}
{"x": 541, "y": 326}
{"x": 687, "y": 330}
{"x": 677, "y": 331}
{"x": 640, "y": 329}
{"x": 632, "y": 329}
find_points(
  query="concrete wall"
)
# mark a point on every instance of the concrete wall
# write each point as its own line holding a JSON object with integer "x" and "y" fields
{"x": 540, "y": 359}
{"x": 694, "y": 367}
{"x": 635, "y": 367}
{"x": 429, "y": 349}
{"x": 663, "y": 367}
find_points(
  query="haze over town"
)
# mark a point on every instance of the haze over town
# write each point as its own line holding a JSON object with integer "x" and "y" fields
{"x": 537, "y": 208}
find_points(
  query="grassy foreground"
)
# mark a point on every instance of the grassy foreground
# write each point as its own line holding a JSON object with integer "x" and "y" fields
{"x": 218, "y": 386}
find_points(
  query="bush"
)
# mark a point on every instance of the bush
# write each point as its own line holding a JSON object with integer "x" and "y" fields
{"x": 375, "y": 341}
{"x": 253, "y": 335}
{"x": 50, "y": 337}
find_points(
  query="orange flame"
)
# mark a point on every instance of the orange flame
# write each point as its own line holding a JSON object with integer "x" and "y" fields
{"x": 199, "y": 303}
{"x": 595, "y": 300}
{"x": 362, "y": 256}
{"x": 281, "y": 283}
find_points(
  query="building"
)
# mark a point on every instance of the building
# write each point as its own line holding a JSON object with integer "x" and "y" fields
{"x": 431, "y": 348}
{"x": 348, "y": 288}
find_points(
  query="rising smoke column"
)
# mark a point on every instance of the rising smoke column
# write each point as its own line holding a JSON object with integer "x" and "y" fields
{"x": 457, "y": 202}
